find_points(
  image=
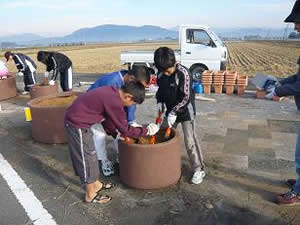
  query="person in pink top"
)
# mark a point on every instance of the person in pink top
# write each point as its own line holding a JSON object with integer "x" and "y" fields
{"x": 3, "y": 70}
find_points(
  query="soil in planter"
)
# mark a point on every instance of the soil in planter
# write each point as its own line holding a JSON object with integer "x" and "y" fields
{"x": 159, "y": 138}
{"x": 57, "y": 101}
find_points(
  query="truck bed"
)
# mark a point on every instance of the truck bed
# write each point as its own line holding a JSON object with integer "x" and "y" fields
{"x": 142, "y": 56}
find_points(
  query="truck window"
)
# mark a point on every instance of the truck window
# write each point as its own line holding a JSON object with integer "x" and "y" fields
{"x": 198, "y": 37}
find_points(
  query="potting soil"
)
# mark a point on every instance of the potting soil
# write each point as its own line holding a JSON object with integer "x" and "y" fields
{"x": 57, "y": 101}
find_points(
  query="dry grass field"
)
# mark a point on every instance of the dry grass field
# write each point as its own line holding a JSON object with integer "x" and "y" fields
{"x": 271, "y": 57}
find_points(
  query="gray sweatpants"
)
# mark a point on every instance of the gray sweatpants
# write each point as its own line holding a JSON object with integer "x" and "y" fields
{"x": 83, "y": 153}
{"x": 191, "y": 143}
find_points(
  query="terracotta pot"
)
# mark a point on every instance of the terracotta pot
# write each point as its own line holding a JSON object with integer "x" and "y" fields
{"x": 48, "y": 121}
{"x": 219, "y": 72}
{"x": 39, "y": 91}
{"x": 260, "y": 94}
{"x": 277, "y": 99}
{"x": 207, "y": 72}
{"x": 151, "y": 166}
{"x": 206, "y": 89}
{"x": 8, "y": 88}
{"x": 218, "y": 89}
{"x": 229, "y": 89}
{"x": 240, "y": 89}
{"x": 242, "y": 79}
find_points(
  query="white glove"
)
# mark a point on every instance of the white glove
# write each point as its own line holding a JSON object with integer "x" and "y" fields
{"x": 270, "y": 93}
{"x": 160, "y": 107}
{"x": 134, "y": 124}
{"x": 118, "y": 137}
{"x": 152, "y": 129}
{"x": 20, "y": 74}
{"x": 51, "y": 82}
{"x": 171, "y": 119}
{"x": 46, "y": 74}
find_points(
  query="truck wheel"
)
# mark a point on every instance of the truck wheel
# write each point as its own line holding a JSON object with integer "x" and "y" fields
{"x": 197, "y": 72}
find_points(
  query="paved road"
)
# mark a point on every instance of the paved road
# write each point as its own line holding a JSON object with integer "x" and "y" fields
{"x": 248, "y": 146}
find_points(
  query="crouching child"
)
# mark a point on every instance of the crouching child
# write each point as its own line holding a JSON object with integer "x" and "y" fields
{"x": 103, "y": 105}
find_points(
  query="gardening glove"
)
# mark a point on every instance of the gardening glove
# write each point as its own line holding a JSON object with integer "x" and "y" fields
{"x": 20, "y": 74}
{"x": 270, "y": 93}
{"x": 152, "y": 129}
{"x": 46, "y": 74}
{"x": 134, "y": 124}
{"x": 119, "y": 137}
{"x": 160, "y": 107}
{"x": 171, "y": 119}
{"x": 51, "y": 82}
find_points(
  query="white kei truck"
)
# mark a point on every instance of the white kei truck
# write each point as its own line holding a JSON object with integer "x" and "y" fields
{"x": 200, "y": 49}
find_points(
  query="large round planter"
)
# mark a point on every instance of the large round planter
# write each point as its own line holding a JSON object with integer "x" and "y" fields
{"x": 150, "y": 166}
{"x": 39, "y": 91}
{"x": 48, "y": 121}
{"x": 8, "y": 88}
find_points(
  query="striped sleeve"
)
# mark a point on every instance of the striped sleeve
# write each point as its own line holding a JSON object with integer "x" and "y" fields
{"x": 186, "y": 90}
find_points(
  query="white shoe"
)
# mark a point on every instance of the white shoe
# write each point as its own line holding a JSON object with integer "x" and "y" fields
{"x": 24, "y": 92}
{"x": 107, "y": 168}
{"x": 198, "y": 177}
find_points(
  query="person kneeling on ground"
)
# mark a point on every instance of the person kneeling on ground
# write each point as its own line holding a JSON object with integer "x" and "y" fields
{"x": 291, "y": 86}
{"x": 57, "y": 63}
{"x": 175, "y": 91}
{"x": 116, "y": 79}
{"x": 103, "y": 105}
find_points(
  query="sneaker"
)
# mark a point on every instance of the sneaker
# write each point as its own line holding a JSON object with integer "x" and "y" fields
{"x": 289, "y": 198}
{"x": 107, "y": 168}
{"x": 290, "y": 182}
{"x": 198, "y": 177}
{"x": 24, "y": 92}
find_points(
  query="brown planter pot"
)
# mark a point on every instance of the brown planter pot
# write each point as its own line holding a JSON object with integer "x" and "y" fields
{"x": 39, "y": 91}
{"x": 219, "y": 73}
{"x": 48, "y": 121}
{"x": 206, "y": 88}
{"x": 229, "y": 89}
{"x": 207, "y": 73}
{"x": 150, "y": 166}
{"x": 8, "y": 88}
{"x": 240, "y": 89}
{"x": 218, "y": 89}
{"x": 260, "y": 94}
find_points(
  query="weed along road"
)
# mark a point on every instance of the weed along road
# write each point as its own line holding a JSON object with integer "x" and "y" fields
{"x": 248, "y": 146}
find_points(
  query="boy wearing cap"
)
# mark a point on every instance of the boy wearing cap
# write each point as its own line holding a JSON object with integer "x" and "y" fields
{"x": 291, "y": 86}
{"x": 26, "y": 68}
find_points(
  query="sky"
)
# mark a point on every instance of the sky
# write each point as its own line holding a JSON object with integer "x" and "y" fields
{"x": 62, "y": 17}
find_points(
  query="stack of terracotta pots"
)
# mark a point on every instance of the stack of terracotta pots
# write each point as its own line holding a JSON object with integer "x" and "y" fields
{"x": 242, "y": 82}
{"x": 207, "y": 81}
{"x": 218, "y": 81}
{"x": 230, "y": 79}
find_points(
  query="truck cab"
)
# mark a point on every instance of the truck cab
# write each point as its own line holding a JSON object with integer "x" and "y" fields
{"x": 200, "y": 49}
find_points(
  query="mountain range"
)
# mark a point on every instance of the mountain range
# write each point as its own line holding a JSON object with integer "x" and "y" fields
{"x": 124, "y": 33}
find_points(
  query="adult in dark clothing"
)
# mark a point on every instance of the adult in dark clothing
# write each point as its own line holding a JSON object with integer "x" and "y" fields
{"x": 291, "y": 86}
{"x": 176, "y": 93}
{"x": 26, "y": 68}
{"x": 57, "y": 63}
{"x": 102, "y": 105}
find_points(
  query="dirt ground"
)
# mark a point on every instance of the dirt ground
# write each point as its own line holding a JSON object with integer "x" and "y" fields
{"x": 248, "y": 145}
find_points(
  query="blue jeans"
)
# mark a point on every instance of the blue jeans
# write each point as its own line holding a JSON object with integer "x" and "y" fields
{"x": 296, "y": 187}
